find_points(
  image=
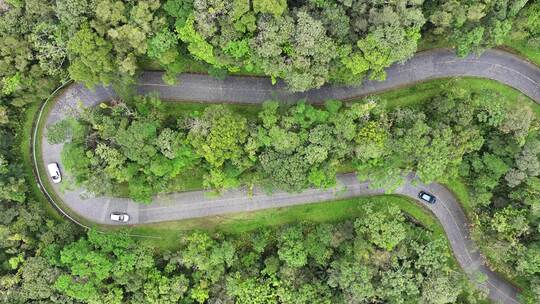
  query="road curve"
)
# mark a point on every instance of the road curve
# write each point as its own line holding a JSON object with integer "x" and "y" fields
{"x": 493, "y": 64}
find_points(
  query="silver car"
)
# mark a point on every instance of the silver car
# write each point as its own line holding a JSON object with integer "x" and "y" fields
{"x": 54, "y": 172}
{"x": 119, "y": 217}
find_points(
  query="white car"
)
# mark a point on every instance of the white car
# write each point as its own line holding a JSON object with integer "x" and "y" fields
{"x": 54, "y": 172}
{"x": 119, "y": 217}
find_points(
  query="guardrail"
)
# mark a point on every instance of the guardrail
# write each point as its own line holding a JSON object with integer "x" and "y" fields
{"x": 37, "y": 174}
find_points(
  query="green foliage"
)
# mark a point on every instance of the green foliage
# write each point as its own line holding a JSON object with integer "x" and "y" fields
{"x": 218, "y": 136}
{"x": 353, "y": 277}
{"x": 105, "y": 38}
{"x": 469, "y": 41}
{"x": 11, "y": 84}
{"x": 64, "y": 130}
{"x": 472, "y": 26}
{"x": 292, "y": 148}
{"x": 233, "y": 267}
{"x": 91, "y": 58}
{"x": 164, "y": 48}
{"x": 510, "y": 223}
{"x": 95, "y": 262}
{"x": 180, "y": 9}
{"x": 237, "y": 49}
{"x": 50, "y": 48}
{"x": 251, "y": 291}
{"x": 136, "y": 148}
{"x": 385, "y": 46}
{"x": 356, "y": 63}
{"x": 161, "y": 288}
{"x": 133, "y": 146}
{"x": 275, "y": 7}
{"x": 4, "y": 116}
{"x": 13, "y": 189}
{"x": 292, "y": 250}
{"x": 289, "y": 171}
{"x": 15, "y": 3}
{"x": 385, "y": 228}
{"x": 197, "y": 46}
{"x": 207, "y": 256}
{"x": 73, "y": 13}
{"x": 527, "y": 25}
{"x": 527, "y": 163}
{"x": 303, "y": 44}
{"x": 529, "y": 262}
{"x": 73, "y": 162}
{"x": 28, "y": 68}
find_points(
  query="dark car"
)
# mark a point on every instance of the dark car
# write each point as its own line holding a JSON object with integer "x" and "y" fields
{"x": 430, "y": 198}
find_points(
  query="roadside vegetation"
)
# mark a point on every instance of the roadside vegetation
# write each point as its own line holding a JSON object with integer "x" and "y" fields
{"x": 374, "y": 256}
{"x": 380, "y": 256}
{"x": 525, "y": 36}
{"x": 137, "y": 143}
{"x": 488, "y": 143}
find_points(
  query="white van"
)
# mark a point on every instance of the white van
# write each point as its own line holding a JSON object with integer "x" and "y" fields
{"x": 54, "y": 172}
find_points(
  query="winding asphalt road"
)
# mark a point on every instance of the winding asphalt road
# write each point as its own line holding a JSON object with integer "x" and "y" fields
{"x": 493, "y": 64}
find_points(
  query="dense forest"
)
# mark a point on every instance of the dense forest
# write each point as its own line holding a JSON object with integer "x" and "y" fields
{"x": 528, "y": 25}
{"x": 305, "y": 43}
{"x": 379, "y": 257}
{"x": 491, "y": 144}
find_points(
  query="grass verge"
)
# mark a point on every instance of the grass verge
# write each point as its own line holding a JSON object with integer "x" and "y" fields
{"x": 25, "y": 134}
{"x": 191, "y": 65}
{"x": 423, "y": 92}
{"x": 461, "y": 192}
{"x": 177, "y": 109}
{"x": 238, "y": 223}
{"x": 519, "y": 47}
{"x": 523, "y": 49}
